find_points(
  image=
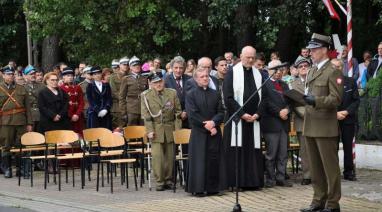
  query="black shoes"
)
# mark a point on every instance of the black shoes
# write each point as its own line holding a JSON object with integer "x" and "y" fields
{"x": 350, "y": 177}
{"x": 312, "y": 208}
{"x": 284, "y": 183}
{"x": 306, "y": 182}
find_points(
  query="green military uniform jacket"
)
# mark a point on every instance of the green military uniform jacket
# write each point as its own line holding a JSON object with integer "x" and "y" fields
{"x": 129, "y": 94}
{"x": 326, "y": 85}
{"x": 161, "y": 115}
{"x": 299, "y": 111}
{"x": 84, "y": 84}
{"x": 32, "y": 90}
{"x": 115, "y": 84}
{"x": 14, "y": 111}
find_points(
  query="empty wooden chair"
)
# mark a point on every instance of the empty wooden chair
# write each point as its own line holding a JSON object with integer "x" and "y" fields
{"x": 181, "y": 137}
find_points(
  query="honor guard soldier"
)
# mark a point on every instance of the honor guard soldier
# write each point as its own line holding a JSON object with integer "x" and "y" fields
{"x": 323, "y": 94}
{"x": 115, "y": 65}
{"x": 15, "y": 117}
{"x": 33, "y": 88}
{"x": 115, "y": 85}
{"x": 84, "y": 84}
{"x": 161, "y": 113}
{"x": 132, "y": 86}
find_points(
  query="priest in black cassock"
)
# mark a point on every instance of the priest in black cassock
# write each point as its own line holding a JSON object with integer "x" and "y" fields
{"x": 206, "y": 113}
{"x": 240, "y": 82}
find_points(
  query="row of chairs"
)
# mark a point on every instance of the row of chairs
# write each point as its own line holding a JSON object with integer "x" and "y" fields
{"x": 99, "y": 145}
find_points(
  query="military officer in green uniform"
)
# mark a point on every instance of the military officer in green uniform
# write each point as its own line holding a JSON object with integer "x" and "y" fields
{"x": 115, "y": 84}
{"x": 161, "y": 114}
{"x": 84, "y": 84}
{"x": 115, "y": 65}
{"x": 323, "y": 94}
{"x": 132, "y": 86}
{"x": 33, "y": 88}
{"x": 15, "y": 116}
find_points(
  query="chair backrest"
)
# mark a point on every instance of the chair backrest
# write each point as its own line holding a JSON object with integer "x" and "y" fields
{"x": 112, "y": 140}
{"x": 95, "y": 134}
{"x": 32, "y": 138}
{"x": 182, "y": 136}
{"x": 61, "y": 136}
{"x": 134, "y": 132}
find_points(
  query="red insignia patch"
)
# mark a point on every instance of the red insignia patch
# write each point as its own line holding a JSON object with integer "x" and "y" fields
{"x": 339, "y": 81}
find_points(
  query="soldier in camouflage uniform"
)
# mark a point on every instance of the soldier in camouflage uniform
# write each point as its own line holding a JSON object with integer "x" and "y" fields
{"x": 15, "y": 116}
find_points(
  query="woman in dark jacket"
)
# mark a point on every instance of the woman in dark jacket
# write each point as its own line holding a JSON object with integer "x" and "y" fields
{"x": 53, "y": 105}
{"x": 100, "y": 101}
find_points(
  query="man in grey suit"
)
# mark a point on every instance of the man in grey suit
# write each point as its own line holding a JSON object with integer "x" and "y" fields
{"x": 302, "y": 65}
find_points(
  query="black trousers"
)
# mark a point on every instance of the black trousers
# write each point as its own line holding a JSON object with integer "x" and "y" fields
{"x": 347, "y": 135}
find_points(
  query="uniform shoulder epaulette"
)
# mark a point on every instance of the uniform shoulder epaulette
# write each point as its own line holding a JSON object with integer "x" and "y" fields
{"x": 146, "y": 91}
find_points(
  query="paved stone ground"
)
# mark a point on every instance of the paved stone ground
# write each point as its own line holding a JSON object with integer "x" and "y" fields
{"x": 363, "y": 195}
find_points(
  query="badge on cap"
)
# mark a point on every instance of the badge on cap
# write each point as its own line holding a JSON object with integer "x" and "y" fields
{"x": 339, "y": 81}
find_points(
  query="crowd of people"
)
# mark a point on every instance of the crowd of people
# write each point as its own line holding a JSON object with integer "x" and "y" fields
{"x": 202, "y": 96}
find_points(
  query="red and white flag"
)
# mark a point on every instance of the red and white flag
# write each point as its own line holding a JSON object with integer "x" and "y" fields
{"x": 333, "y": 14}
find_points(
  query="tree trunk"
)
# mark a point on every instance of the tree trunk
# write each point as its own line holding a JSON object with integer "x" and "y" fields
{"x": 50, "y": 53}
{"x": 284, "y": 43}
{"x": 245, "y": 34}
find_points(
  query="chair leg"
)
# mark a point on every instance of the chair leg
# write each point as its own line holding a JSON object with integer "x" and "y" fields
{"x": 174, "y": 176}
{"x": 135, "y": 179}
{"x": 46, "y": 173}
{"x": 82, "y": 174}
{"x": 66, "y": 175}
{"x": 102, "y": 175}
{"x": 59, "y": 176}
{"x": 127, "y": 176}
{"x": 74, "y": 182}
{"x": 122, "y": 173}
{"x": 107, "y": 173}
{"x": 142, "y": 170}
{"x": 89, "y": 168}
{"x": 111, "y": 179}
{"x": 55, "y": 171}
{"x": 18, "y": 169}
{"x": 98, "y": 175}
{"x": 31, "y": 170}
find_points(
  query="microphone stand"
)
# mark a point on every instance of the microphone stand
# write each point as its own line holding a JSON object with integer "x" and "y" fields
{"x": 236, "y": 118}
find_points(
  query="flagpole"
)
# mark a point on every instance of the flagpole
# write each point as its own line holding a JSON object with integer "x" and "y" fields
{"x": 349, "y": 38}
{"x": 350, "y": 56}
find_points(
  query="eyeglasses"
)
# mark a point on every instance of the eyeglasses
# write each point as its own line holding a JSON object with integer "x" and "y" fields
{"x": 303, "y": 66}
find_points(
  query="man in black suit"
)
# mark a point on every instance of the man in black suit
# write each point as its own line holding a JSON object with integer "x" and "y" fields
{"x": 176, "y": 81}
{"x": 274, "y": 124}
{"x": 347, "y": 116}
{"x": 206, "y": 64}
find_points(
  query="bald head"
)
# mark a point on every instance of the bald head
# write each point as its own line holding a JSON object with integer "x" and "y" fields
{"x": 205, "y": 63}
{"x": 247, "y": 56}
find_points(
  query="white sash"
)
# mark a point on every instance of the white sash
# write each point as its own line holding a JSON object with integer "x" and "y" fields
{"x": 238, "y": 89}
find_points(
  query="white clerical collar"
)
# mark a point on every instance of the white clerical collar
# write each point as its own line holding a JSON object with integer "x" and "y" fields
{"x": 322, "y": 63}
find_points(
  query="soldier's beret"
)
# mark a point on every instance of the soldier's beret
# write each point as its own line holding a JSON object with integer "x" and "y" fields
{"x": 134, "y": 61}
{"x": 95, "y": 69}
{"x": 29, "y": 70}
{"x": 318, "y": 41}
{"x": 66, "y": 71}
{"x": 8, "y": 70}
{"x": 124, "y": 60}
